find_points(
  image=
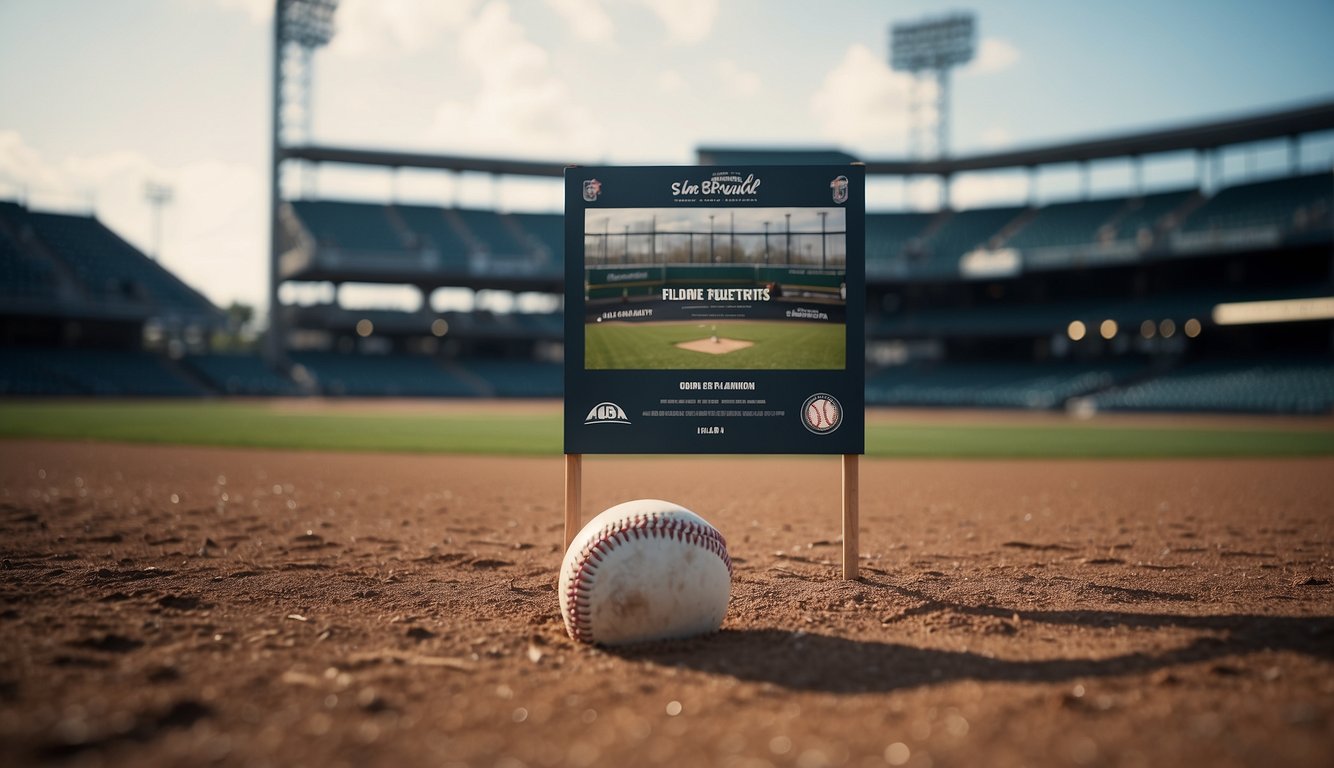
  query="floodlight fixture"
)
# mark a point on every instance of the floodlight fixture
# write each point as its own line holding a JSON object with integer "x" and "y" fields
{"x": 931, "y": 47}
{"x": 157, "y": 193}
{"x": 933, "y": 44}
{"x": 308, "y": 23}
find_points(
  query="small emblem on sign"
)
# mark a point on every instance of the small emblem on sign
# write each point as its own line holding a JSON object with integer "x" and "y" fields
{"x": 821, "y": 413}
{"x": 606, "y": 413}
{"x": 593, "y": 188}
{"x": 840, "y": 187}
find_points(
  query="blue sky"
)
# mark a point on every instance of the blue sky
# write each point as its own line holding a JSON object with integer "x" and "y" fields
{"x": 97, "y": 98}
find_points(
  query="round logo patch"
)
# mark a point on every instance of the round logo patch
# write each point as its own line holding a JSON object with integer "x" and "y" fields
{"x": 821, "y": 413}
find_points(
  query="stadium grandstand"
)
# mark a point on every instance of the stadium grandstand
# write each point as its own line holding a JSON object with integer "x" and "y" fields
{"x": 82, "y": 312}
{"x": 1113, "y": 303}
{"x": 1216, "y": 295}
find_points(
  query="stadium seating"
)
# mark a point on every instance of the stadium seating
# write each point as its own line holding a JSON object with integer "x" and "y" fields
{"x": 991, "y": 385}
{"x": 542, "y": 325}
{"x": 465, "y": 241}
{"x": 23, "y": 374}
{"x": 240, "y": 374}
{"x": 958, "y": 234}
{"x": 1148, "y": 213}
{"x": 59, "y": 258}
{"x": 350, "y": 226}
{"x": 492, "y": 234}
{"x": 21, "y": 275}
{"x": 49, "y": 371}
{"x": 382, "y": 375}
{"x": 546, "y": 230}
{"x": 107, "y": 269}
{"x": 1276, "y": 386}
{"x": 76, "y": 260}
{"x": 518, "y": 378}
{"x": 433, "y": 230}
{"x": 1284, "y": 204}
{"x": 102, "y": 278}
{"x": 888, "y": 237}
{"x": 1066, "y": 224}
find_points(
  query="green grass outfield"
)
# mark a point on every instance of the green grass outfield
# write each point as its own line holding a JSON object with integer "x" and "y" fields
{"x": 778, "y": 345}
{"x": 499, "y": 429}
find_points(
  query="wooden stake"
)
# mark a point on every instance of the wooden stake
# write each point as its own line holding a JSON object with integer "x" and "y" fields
{"x": 850, "y": 491}
{"x": 573, "y": 495}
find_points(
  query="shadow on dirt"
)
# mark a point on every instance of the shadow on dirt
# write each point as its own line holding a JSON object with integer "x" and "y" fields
{"x": 817, "y": 662}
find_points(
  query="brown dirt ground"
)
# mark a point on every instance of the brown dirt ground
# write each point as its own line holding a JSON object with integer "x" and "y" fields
{"x": 170, "y": 606}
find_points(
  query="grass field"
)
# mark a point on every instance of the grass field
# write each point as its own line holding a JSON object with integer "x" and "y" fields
{"x": 501, "y": 429}
{"x": 778, "y": 345}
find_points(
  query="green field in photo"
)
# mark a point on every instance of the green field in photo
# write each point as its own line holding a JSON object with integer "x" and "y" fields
{"x": 497, "y": 428}
{"x": 777, "y": 345}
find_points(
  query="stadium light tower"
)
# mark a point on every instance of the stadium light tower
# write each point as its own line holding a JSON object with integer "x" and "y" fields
{"x": 158, "y": 195}
{"x": 932, "y": 46}
{"x": 299, "y": 27}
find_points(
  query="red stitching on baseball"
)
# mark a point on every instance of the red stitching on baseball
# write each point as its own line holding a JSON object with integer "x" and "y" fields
{"x": 579, "y": 621}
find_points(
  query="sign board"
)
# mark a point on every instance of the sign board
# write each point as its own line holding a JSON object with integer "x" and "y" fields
{"x": 715, "y": 309}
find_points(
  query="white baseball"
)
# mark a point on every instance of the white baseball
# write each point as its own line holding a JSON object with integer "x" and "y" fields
{"x": 829, "y": 411}
{"x": 645, "y": 570}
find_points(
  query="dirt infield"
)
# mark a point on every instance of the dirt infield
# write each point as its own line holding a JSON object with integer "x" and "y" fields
{"x": 714, "y": 345}
{"x": 169, "y": 606}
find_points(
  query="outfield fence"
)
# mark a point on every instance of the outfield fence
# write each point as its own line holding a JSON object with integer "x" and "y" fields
{"x": 647, "y": 281}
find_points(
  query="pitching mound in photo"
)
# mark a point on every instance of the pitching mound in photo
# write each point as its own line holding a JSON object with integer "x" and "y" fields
{"x": 715, "y": 345}
{"x": 738, "y": 345}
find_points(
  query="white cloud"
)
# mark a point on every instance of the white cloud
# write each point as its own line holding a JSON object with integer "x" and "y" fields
{"x": 863, "y": 103}
{"x": 22, "y": 169}
{"x": 740, "y": 81}
{"x": 993, "y": 55}
{"x": 365, "y": 27}
{"x": 587, "y": 19}
{"x": 521, "y": 106}
{"x": 215, "y": 229}
{"x": 671, "y": 81}
{"x": 395, "y": 26}
{"x": 687, "y": 21}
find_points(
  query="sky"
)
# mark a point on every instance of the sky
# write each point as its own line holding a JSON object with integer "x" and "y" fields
{"x": 98, "y": 99}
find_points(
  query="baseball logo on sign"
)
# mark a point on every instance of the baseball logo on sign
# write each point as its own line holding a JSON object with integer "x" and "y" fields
{"x": 840, "y": 187}
{"x": 821, "y": 413}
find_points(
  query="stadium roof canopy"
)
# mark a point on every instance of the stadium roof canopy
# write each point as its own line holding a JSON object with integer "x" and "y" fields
{"x": 397, "y": 159}
{"x": 1281, "y": 124}
{"x": 1196, "y": 136}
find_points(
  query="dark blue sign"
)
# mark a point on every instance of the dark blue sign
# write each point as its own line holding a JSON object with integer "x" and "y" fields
{"x": 715, "y": 309}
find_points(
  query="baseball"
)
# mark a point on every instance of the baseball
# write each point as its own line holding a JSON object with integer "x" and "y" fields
{"x": 814, "y": 416}
{"x": 829, "y": 412}
{"x": 645, "y": 570}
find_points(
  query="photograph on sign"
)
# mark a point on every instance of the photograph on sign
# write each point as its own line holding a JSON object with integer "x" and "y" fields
{"x": 738, "y": 288}
{"x": 714, "y": 310}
